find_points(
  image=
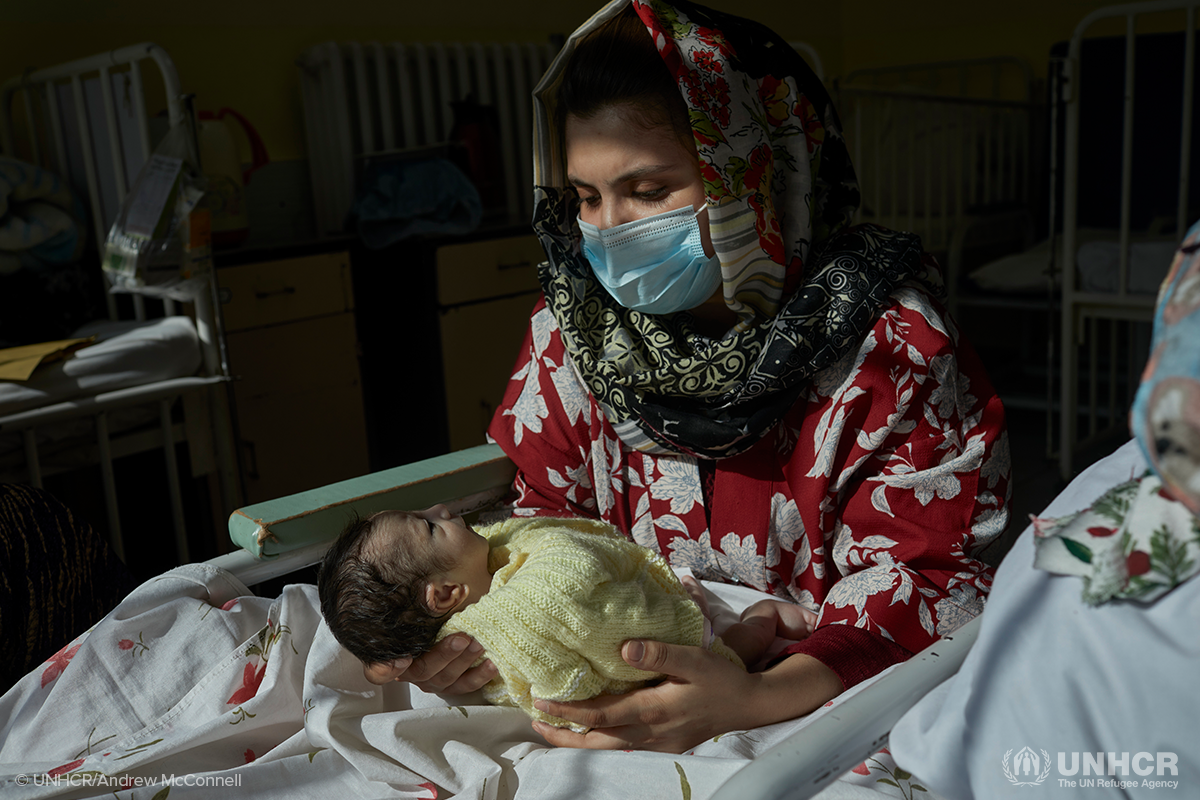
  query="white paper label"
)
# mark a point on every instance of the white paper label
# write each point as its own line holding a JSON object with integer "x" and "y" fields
{"x": 157, "y": 178}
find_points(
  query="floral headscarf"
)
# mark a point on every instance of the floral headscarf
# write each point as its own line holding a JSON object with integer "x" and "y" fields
{"x": 1166, "y": 411}
{"x": 780, "y": 191}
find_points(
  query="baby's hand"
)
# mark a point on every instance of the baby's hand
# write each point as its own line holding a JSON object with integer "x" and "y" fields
{"x": 446, "y": 669}
{"x": 696, "y": 591}
{"x": 789, "y": 621}
{"x": 764, "y": 622}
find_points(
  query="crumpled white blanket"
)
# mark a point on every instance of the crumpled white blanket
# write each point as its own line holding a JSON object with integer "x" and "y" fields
{"x": 192, "y": 687}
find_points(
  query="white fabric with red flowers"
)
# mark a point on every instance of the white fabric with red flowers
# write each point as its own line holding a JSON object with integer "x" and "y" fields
{"x": 238, "y": 696}
{"x": 1135, "y": 542}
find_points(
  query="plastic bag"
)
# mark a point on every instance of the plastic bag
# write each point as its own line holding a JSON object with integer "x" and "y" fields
{"x": 160, "y": 243}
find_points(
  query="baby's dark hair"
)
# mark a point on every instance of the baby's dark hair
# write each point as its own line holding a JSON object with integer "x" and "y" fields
{"x": 618, "y": 65}
{"x": 373, "y": 597}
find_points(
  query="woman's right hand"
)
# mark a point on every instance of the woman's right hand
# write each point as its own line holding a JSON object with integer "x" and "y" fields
{"x": 446, "y": 669}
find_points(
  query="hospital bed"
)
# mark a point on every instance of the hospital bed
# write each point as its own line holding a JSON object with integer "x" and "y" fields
{"x": 251, "y": 689}
{"x": 152, "y": 379}
{"x": 794, "y": 761}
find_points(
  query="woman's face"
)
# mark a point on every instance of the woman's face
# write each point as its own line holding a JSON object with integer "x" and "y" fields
{"x": 625, "y": 172}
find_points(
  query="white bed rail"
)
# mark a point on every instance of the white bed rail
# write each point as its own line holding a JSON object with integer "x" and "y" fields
{"x": 818, "y": 754}
{"x": 364, "y": 100}
{"x": 98, "y": 407}
{"x": 1082, "y": 310}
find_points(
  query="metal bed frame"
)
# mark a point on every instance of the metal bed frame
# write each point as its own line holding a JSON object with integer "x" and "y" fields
{"x": 961, "y": 131}
{"x": 1081, "y": 311}
{"x": 108, "y": 173}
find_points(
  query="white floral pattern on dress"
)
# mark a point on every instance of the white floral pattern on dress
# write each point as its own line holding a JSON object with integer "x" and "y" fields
{"x": 739, "y": 560}
{"x": 679, "y": 484}
{"x": 907, "y": 473}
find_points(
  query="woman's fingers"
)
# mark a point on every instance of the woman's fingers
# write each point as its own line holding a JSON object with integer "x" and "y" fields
{"x": 383, "y": 672}
{"x": 662, "y": 717}
{"x": 446, "y": 669}
{"x": 604, "y": 739}
{"x": 473, "y": 679}
{"x": 696, "y": 592}
{"x": 605, "y": 711}
{"x": 442, "y": 665}
{"x": 676, "y": 660}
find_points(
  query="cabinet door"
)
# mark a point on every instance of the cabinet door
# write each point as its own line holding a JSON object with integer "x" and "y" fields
{"x": 299, "y": 405}
{"x": 278, "y": 292}
{"x": 479, "y": 348}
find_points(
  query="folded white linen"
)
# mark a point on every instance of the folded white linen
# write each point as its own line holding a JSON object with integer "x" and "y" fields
{"x": 126, "y": 353}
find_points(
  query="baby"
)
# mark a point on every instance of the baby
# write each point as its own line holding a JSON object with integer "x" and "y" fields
{"x": 550, "y": 600}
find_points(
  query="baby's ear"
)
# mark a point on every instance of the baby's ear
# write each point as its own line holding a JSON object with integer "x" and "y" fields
{"x": 442, "y": 595}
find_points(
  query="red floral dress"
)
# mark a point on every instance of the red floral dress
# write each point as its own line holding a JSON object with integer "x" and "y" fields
{"x": 865, "y": 504}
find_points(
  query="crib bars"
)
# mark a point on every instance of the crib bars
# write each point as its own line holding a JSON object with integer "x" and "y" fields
{"x": 1085, "y": 313}
{"x": 943, "y": 150}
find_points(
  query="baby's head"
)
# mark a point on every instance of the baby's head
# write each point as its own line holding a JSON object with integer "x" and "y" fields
{"x": 390, "y": 580}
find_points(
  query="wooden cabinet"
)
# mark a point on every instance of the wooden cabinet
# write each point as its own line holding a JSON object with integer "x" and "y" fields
{"x": 290, "y": 329}
{"x": 485, "y": 290}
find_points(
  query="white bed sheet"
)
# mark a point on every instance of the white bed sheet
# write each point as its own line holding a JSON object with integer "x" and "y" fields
{"x": 190, "y": 678}
{"x": 126, "y": 353}
{"x": 1053, "y": 674}
{"x": 1097, "y": 263}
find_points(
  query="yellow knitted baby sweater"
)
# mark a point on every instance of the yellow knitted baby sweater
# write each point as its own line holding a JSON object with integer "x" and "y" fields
{"x": 565, "y": 594}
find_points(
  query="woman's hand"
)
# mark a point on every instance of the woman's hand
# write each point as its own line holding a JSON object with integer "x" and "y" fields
{"x": 703, "y": 695}
{"x": 446, "y": 669}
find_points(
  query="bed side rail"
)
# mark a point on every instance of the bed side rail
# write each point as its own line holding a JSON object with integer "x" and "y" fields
{"x": 818, "y": 754}
{"x": 292, "y": 532}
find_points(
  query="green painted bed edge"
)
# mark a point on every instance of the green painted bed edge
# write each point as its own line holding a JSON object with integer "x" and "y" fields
{"x": 287, "y": 523}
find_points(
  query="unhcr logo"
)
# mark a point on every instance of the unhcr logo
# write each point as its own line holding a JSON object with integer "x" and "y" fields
{"x": 1029, "y": 768}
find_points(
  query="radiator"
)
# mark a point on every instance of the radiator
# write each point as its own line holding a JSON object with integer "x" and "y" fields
{"x": 369, "y": 100}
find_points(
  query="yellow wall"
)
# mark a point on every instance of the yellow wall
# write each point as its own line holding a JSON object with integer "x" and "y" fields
{"x": 878, "y": 33}
{"x": 241, "y": 53}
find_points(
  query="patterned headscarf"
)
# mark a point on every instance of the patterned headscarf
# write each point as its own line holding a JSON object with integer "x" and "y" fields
{"x": 780, "y": 191}
{"x": 1166, "y": 411}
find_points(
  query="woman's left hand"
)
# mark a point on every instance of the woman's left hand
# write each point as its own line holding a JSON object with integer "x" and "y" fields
{"x": 689, "y": 706}
{"x": 703, "y": 695}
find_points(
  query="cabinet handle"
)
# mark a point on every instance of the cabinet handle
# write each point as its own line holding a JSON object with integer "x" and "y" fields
{"x": 516, "y": 265}
{"x": 261, "y": 295}
{"x": 251, "y": 460}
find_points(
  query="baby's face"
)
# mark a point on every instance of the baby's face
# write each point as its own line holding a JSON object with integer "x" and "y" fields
{"x": 437, "y": 533}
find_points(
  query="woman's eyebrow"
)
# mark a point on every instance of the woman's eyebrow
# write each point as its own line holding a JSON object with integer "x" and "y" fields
{"x": 631, "y": 175}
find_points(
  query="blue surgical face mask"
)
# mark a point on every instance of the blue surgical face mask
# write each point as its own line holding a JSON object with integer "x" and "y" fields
{"x": 655, "y": 265}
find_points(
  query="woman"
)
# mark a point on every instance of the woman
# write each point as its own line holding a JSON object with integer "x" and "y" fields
{"x": 726, "y": 370}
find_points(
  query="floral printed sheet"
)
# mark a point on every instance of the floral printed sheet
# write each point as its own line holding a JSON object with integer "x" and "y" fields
{"x": 192, "y": 687}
